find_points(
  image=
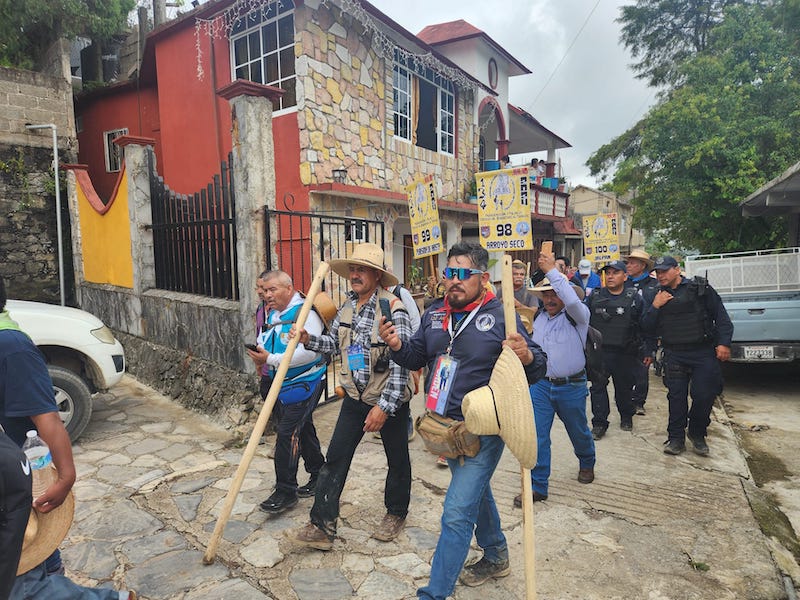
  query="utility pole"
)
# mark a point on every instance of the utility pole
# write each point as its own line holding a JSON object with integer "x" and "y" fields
{"x": 159, "y": 13}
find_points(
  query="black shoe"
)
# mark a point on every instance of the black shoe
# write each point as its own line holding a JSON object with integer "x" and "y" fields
{"x": 699, "y": 444}
{"x": 640, "y": 409}
{"x": 626, "y": 425}
{"x": 537, "y": 497}
{"x": 278, "y": 502}
{"x": 308, "y": 490}
{"x": 598, "y": 431}
{"x": 674, "y": 447}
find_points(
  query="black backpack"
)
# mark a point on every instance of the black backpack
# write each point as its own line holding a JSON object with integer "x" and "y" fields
{"x": 593, "y": 351}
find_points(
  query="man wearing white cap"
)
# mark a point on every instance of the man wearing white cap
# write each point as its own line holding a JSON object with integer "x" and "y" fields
{"x": 376, "y": 397}
{"x": 589, "y": 279}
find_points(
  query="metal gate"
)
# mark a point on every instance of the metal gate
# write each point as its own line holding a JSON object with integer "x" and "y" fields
{"x": 297, "y": 242}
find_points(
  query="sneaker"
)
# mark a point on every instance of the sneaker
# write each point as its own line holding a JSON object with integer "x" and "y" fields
{"x": 674, "y": 447}
{"x": 585, "y": 475}
{"x": 278, "y": 502}
{"x": 441, "y": 461}
{"x": 699, "y": 445}
{"x": 389, "y": 528}
{"x": 308, "y": 490}
{"x": 626, "y": 425}
{"x": 598, "y": 431}
{"x": 482, "y": 571}
{"x": 537, "y": 497}
{"x": 312, "y": 537}
{"x": 640, "y": 409}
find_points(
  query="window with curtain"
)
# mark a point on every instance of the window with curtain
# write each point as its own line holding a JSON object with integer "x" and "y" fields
{"x": 424, "y": 106}
{"x": 262, "y": 49}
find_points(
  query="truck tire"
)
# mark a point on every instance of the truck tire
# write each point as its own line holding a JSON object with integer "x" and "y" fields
{"x": 74, "y": 400}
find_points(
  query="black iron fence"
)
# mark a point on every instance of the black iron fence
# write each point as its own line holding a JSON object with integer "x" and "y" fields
{"x": 194, "y": 236}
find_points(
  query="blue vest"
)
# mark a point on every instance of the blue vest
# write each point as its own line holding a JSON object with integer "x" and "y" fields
{"x": 278, "y": 340}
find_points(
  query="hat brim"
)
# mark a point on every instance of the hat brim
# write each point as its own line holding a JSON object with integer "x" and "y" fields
{"x": 325, "y": 307}
{"x": 537, "y": 291}
{"x": 341, "y": 266}
{"x": 52, "y": 528}
{"x": 648, "y": 262}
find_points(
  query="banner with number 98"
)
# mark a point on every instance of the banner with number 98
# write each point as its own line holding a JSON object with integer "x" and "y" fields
{"x": 504, "y": 210}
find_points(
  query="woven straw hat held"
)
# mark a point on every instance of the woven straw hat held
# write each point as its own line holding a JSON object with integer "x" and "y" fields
{"x": 504, "y": 408}
{"x": 44, "y": 533}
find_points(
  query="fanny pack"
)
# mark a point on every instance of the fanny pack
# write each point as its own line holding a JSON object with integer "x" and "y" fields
{"x": 292, "y": 393}
{"x": 447, "y": 437}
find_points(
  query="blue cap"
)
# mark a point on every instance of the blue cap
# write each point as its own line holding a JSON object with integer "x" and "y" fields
{"x": 664, "y": 262}
{"x": 619, "y": 265}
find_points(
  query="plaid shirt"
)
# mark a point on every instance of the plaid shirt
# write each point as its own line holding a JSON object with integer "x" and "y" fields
{"x": 361, "y": 333}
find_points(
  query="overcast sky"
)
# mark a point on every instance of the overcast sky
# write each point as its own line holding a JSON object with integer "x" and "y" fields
{"x": 591, "y": 98}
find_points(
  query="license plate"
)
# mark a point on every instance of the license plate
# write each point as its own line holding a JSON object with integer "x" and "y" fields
{"x": 759, "y": 352}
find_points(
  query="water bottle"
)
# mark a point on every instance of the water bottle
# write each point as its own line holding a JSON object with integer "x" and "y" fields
{"x": 42, "y": 468}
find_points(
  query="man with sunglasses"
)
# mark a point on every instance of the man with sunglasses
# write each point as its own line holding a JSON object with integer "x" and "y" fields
{"x": 464, "y": 333}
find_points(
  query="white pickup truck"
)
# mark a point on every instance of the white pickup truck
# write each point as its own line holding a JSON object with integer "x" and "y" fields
{"x": 82, "y": 355}
{"x": 761, "y": 292}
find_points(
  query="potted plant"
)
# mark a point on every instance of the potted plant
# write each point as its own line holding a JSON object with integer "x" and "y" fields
{"x": 416, "y": 277}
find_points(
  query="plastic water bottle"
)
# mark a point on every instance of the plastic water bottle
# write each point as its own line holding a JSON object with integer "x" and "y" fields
{"x": 42, "y": 467}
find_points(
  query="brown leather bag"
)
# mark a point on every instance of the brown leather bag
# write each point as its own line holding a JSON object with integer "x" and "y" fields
{"x": 447, "y": 437}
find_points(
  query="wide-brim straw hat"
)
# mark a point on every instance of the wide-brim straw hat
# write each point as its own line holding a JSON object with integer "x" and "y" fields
{"x": 642, "y": 255}
{"x": 44, "y": 534}
{"x": 367, "y": 255}
{"x": 527, "y": 314}
{"x": 545, "y": 285}
{"x": 504, "y": 408}
{"x": 325, "y": 308}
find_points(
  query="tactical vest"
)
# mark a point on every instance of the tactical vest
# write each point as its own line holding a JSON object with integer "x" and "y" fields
{"x": 377, "y": 349}
{"x": 646, "y": 284}
{"x": 278, "y": 340}
{"x": 681, "y": 321}
{"x": 612, "y": 315}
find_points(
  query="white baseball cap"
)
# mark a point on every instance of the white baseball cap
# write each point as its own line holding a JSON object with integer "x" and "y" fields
{"x": 584, "y": 267}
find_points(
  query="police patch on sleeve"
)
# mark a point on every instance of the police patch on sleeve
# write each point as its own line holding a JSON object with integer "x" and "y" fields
{"x": 484, "y": 322}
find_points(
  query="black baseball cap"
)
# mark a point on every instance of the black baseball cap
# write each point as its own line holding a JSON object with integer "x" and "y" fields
{"x": 619, "y": 265}
{"x": 664, "y": 262}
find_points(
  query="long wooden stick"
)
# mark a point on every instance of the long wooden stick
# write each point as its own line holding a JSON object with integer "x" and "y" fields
{"x": 266, "y": 410}
{"x": 527, "y": 494}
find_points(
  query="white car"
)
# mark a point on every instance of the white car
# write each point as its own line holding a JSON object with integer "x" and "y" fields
{"x": 82, "y": 355}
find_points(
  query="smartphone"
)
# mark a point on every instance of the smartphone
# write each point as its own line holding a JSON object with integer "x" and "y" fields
{"x": 252, "y": 347}
{"x": 547, "y": 247}
{"x": 385, "y": 309}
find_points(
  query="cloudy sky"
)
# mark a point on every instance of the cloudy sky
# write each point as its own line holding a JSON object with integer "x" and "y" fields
{"x": 591, "y": 96}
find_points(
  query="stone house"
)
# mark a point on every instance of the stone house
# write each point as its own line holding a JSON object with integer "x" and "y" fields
{"x": 366, "y": 107}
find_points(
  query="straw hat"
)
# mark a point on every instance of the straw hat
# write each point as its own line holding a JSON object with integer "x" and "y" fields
{"x": 544, "y": 285}
{"x": 527, "y": 314}
{"x": 325, "y": 308}
{"x": 504, "y": 408}
{"x": 367, "y": 255}
{"x": 642, "y": 255}
{"x": 44, "y": 533}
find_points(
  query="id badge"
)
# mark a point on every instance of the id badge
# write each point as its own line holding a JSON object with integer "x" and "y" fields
{"x": 441, "y": 383}
{"x": 355, "y": 357}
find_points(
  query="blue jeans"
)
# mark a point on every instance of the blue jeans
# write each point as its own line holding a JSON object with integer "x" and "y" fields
{"x": 569, "y": 403}
{"x": 468, "y": 506}
{"x": 36, "y": 583}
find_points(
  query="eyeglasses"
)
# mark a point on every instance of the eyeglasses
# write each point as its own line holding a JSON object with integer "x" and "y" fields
{"x": 462, "y": 273}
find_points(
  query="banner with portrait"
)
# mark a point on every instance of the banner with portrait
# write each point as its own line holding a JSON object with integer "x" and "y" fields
{"x": 504, "y": 209}
{"x": 601, "y": 238}
{"x": 423, "y": 212}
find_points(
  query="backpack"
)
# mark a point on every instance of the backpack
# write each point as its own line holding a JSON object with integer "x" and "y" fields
{"x": 593, "y": 352}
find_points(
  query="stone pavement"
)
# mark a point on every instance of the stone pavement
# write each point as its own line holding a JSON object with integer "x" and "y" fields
{"x": 152, "y": 479}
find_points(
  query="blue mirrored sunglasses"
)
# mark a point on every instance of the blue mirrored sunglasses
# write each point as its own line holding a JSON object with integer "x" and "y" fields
{"x": 462, "y": 273}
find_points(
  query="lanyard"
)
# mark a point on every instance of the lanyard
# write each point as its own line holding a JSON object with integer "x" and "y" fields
{"x": 462, "y": 325}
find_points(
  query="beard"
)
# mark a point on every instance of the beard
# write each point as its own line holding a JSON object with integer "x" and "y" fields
{"x": 458, "y": 303}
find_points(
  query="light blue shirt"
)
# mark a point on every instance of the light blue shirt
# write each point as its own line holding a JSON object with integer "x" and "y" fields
{"x": 561, "y": 340}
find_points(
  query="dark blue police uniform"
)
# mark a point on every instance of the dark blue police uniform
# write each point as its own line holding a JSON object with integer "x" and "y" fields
{"x": 641, "y": 374}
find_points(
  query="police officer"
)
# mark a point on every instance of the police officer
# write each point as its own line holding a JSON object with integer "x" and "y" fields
{"x": 695, "y": 330}
{"x": 616, "y": 311}
{"x": 639, "y": 264}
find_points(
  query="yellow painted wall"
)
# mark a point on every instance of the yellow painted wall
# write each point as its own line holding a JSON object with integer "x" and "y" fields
{"x": 106, "y": 239}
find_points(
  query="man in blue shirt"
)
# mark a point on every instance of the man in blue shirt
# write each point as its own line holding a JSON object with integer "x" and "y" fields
{"x": 563, "y": 391}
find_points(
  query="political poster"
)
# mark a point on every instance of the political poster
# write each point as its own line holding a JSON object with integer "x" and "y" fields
{"x": 423, "y": 212}
{"x": 504, "y": 210}
{"x": 601, "y": 238}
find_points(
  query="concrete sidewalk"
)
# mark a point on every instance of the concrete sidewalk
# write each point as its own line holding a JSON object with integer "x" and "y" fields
{"x": 152, "y": 478}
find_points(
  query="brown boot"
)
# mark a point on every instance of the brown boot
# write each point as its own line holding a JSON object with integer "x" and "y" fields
{"x": 389, "y": 528}
{"x": 312, "y": 537}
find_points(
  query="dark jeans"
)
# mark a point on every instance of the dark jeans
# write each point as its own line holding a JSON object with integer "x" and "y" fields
{"x": 346, "y": 436}
{"x": 696, "y": 373}
{"x": 641, "y": 386}
{"x": 296, "y": 437}
{"x": 621, "y": 367}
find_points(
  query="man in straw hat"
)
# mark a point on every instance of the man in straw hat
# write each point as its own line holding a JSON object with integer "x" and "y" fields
{"x": 563, "y": 391}
{"x": 300, "y": 392}
{"x": 376, "y": 397}
{"x": 638, "y": 265}
{"x": 465, "y": 333}
{"x": 27, "y": 537}
{"x": 27, "y": 402}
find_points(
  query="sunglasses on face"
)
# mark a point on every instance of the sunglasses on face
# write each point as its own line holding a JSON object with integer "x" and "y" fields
{"x": 461, "y": 272}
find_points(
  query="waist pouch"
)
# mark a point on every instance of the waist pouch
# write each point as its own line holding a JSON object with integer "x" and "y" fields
{"x": 292, "y": 393}
{"x": 447, "y": 437}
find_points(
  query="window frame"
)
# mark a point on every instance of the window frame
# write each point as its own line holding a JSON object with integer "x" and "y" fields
{"x": 113, "y": 153}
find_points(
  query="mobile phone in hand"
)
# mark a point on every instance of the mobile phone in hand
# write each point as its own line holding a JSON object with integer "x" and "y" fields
{"x": 252, "y": 347}
{"x": 386, "y": 309}
{"x": 547, "y": 247}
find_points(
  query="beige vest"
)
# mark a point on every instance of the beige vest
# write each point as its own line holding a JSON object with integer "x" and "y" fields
{"x": 377, "y": 381}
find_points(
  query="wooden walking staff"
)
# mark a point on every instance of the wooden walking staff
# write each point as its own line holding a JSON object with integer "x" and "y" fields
{"x": 266, "y": 410}
{"x": 510, "y": 315}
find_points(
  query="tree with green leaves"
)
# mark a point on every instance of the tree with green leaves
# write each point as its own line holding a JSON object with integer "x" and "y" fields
{"x": 29, "y": 28}
{"x": 728, "y": 127}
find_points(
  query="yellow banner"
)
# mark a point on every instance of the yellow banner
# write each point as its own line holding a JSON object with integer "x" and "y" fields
{"x": 601, "y": 238}
{"x": 504, "y": 210}
{"x": 423, "y": 212}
